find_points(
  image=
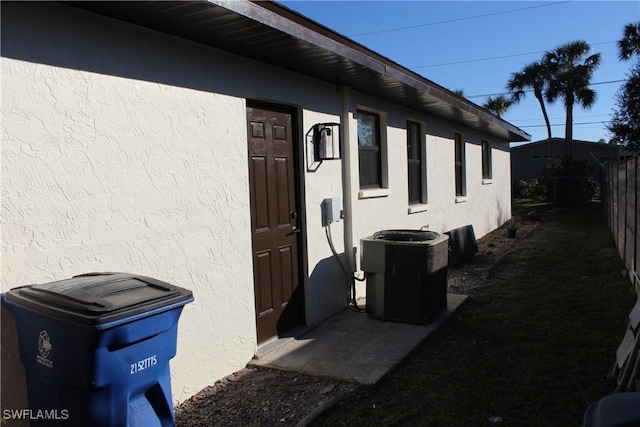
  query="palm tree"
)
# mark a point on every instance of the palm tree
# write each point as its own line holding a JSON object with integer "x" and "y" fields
{"x": 570, "y": 72}
{"x": 498, "y": 105}
{"x": 533, "y": 76}
{"x": 629, "y": 45}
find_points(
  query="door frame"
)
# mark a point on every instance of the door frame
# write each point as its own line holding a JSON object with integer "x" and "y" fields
{"x": 299, "y": 191}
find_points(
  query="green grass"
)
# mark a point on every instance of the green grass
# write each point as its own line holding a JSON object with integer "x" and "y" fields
{"x": 522, "y": 207}
{"x": 534, "y": 349}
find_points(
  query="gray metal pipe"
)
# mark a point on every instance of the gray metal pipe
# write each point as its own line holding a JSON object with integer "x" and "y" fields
{"x": 347, "y": 203}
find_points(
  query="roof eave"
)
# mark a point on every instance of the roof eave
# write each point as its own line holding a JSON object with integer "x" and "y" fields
{"x": 284, "y": 38}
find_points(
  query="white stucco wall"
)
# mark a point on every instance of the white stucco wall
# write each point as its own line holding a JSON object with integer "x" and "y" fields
{"x": 326, "y": 290}
{"x": 125, "y": 150}
{"x": 122, "y": 168}
{"x": 101, "y": 173}
{"x": 487, "y": 205}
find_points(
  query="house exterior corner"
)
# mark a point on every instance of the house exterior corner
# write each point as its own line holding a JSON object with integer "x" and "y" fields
{"x": 128, "y": 149}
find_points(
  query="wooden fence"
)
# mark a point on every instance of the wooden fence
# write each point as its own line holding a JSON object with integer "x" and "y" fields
{"x": 620, "y": 197}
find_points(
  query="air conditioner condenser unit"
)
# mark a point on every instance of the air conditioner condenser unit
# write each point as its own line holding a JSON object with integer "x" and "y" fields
{"x": 406, "y": 275}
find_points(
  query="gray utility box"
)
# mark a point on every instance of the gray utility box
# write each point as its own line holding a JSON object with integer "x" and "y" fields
{"x": 406, "y": 274}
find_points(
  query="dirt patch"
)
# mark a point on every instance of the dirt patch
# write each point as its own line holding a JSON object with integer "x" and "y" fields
{"x": 492, "y": 247}
{"x": 266, "y": 397}
{"x": 261, "y": 397}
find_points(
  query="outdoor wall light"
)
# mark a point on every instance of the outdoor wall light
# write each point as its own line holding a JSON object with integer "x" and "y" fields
{"x": 326, "y": 141}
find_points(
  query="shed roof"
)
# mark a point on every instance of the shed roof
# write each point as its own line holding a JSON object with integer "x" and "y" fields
{"x": 561, "y": 141}
{"x": 271, "y": 33}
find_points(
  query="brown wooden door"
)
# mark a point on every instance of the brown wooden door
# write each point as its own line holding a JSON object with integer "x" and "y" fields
{"x": 274, "y": 222}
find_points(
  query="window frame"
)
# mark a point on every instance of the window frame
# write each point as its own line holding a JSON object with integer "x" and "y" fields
{"x": 487, "y": 160}
{"x": 420, "y": 161}
{"x": 377, "y": 147}
{"x": 460, "y": 164}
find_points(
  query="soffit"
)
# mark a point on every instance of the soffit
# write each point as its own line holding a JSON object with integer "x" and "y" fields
{"x": 273, "y": 34}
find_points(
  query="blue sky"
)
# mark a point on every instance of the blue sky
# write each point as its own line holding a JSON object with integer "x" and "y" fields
{"x": 476, "y": 45}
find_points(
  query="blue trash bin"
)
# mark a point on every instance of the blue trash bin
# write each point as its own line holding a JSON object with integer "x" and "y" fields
{"x": 96, "y": 349}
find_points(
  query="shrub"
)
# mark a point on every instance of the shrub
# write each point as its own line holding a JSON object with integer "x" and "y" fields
{"x": 532, "y": 189}
{"x": 569, "y": 181}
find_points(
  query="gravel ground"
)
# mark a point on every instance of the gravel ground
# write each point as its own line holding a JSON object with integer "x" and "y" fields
{"x": 261, "y": 397}
{"x": 265, "y": 397}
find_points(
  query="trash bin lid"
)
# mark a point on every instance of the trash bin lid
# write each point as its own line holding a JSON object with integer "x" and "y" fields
{"x": 97, "y": 298}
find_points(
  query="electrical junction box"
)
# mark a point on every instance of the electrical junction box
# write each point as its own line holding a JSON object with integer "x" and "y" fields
{"x": 331, "y": 210}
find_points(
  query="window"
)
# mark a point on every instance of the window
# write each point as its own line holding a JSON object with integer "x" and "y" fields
{"x": 414, "y": 163}
{"x": 461, "y": 185}
{"x": 487, "y": 168}
{"x": 369, "y": 153}
{"x": 539, "y": 156}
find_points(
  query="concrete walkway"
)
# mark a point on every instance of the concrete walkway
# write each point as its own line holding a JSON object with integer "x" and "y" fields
{"x": 350, "y": 346}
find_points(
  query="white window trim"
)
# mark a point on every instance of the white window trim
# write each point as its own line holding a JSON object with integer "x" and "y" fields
{"x": 461, "y": 199}
{"x": 489, "y": 166}
{"x": 413, "y": 209}
{"x": 370, "y": 193}
{"x": 424, "y": 197}
{"x": 384, "y": 153}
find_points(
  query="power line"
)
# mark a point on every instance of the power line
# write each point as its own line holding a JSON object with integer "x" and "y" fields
{"x": 494, "y": 57}
{"x": 477, "y": 60}
{"x": 580, "y": 116}
{"x": 458, "y": 19}
{"x": 563, "y": 124}
{"x": 531, "y": 90}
